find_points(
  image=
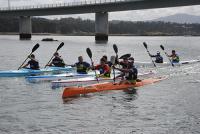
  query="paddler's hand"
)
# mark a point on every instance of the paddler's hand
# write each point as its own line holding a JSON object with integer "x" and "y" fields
{"x": 113, "y": 67}
{"x": 101, "y": 75}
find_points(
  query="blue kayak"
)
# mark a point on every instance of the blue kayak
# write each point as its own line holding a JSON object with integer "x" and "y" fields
{"x": 29, "y": 72}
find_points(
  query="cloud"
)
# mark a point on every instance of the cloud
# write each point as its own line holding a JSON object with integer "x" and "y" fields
{"x": 137, "y": 15}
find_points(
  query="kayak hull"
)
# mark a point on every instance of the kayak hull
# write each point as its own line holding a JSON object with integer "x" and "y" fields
{"x": 47, "y": 78}
{"x": 88, "y": 80}
{"x": 142, "y": 64}
{"x": 28, "y": 72}
{"x": 64, "y": 76}
{"x": 74, "y": 91}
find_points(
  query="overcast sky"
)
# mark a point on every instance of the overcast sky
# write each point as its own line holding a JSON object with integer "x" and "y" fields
{"x": 139, "y": 15}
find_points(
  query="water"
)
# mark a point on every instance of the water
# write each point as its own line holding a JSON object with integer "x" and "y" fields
{"x": 171, "y": 106}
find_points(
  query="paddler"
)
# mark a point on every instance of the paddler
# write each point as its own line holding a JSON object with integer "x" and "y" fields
{"x": 159, "y": 58}
{"x": 57, "y": 61}
{"x": 174, "y": 56}
{"x": 107, "y": 62}
{"x": 82, "y": 66}
{"x": 129, "y": 72}
{"x": 103, "y": 68}
{"x": 33, "y": 63}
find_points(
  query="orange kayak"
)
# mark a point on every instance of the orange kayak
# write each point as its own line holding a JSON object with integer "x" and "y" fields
{"x": 74, "y": 91}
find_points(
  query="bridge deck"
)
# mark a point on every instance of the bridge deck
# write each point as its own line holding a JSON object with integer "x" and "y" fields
{"x": 93, "y": 6}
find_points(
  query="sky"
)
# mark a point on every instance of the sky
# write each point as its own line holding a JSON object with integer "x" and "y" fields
{"x": 137, "y": 15}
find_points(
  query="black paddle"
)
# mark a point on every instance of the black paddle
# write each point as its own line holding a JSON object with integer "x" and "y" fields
{"x": 33, "y": 50}
{"x": 125, "y": 56}
{"x": 89, "y": 52}
{"x": 59, "y": 47}
{"x": 113, "y": 59}
{"x": 162, "y": 47}
{"x": 115, "y": 49}
{"x": 145, "y": 45}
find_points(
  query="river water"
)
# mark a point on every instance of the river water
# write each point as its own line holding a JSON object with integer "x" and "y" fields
{"x": 168, "y": 107}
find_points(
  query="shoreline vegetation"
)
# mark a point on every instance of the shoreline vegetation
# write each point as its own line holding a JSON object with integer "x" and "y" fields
{"x": 80, "y": 27}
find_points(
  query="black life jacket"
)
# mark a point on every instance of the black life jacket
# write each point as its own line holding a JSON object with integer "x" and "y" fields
{"x": 58, "y": 62}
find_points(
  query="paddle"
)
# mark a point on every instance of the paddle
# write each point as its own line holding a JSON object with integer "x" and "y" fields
{"x": 59, "y": 47}
{"x": 145, "y": 45}
{"x": 113, "y": 64}
{"x": 89, "y": 52}
{"x": 115, "y": 49}
{"x": 162, "y": 47}
{"x": 125, "y": 56}
{"x": 33, "y": 50}
{"x": 113, "y": 59}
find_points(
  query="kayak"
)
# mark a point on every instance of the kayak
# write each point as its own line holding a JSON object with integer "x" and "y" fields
{"x": 56, "y": 77}
{"x": 139, "y": 63}
{"x": 74, "y": 91}
{"x": 88, "y": 80}
{"x": 28, "y": 72}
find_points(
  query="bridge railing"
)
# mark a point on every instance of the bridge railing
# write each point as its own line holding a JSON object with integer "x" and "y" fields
{"x": 69, "y": 4}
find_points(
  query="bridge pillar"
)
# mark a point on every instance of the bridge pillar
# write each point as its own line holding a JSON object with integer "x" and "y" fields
{"x": 101, "y": 26}
{"x": 25, "y": 28}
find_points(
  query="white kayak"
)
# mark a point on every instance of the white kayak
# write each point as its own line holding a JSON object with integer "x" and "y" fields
{"x": 28, "y": 72}
{"x": 87, "y": 80}
{"x": 63, "y": 76}
{"x": 142, "y": 64}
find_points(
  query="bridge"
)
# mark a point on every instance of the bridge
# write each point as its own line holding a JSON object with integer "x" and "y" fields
{"x": 101, "y": 8}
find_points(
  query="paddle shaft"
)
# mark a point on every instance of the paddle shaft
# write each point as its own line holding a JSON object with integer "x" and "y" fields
{"x": 162, "y": 47}
{"x": 94, "y": 70}
{"x": 169, "y": 59}
{"x": 50, "y": 60}
{"x": 25, "y": 60}
{"x": 116, "y": 56}
{"x": 151, "y": 57}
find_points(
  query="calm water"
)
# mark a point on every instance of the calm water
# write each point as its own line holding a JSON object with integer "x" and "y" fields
{"x": 168, "y": 107}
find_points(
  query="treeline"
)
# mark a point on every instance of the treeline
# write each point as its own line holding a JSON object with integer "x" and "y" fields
{"x": 84, "y": 27}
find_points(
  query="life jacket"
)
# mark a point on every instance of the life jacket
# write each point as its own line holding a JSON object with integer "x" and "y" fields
{"x": 175, "y": 58}
{"x": 132, "y": 74}
{"x": 103, "y": 69}
{"x": 58, "y": 62}
{"x": 159, "y": 59}
{"x": 82, "y": 67}
{"x": 34, "y": 64}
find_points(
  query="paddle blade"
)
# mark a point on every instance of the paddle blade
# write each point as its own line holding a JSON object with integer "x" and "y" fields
{"x": 145, "y": 44}
{"x": 162, "y": 47}
{"x": 60, "y": 46}
{"x": 89, "y": 52}
{"x": 125, "y": 56}
{"x": 115, "y": 48}
{"x": 35, "y": 47}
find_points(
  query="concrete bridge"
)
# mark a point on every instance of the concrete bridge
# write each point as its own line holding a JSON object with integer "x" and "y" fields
{"x": 99, "y": 7}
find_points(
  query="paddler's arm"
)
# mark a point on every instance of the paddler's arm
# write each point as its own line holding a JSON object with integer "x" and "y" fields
{"x": 25, "y": 65}
{"x": 122, "y": 70}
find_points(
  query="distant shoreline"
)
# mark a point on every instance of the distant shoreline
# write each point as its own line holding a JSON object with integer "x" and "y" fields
{"x": 91, "y": 34}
